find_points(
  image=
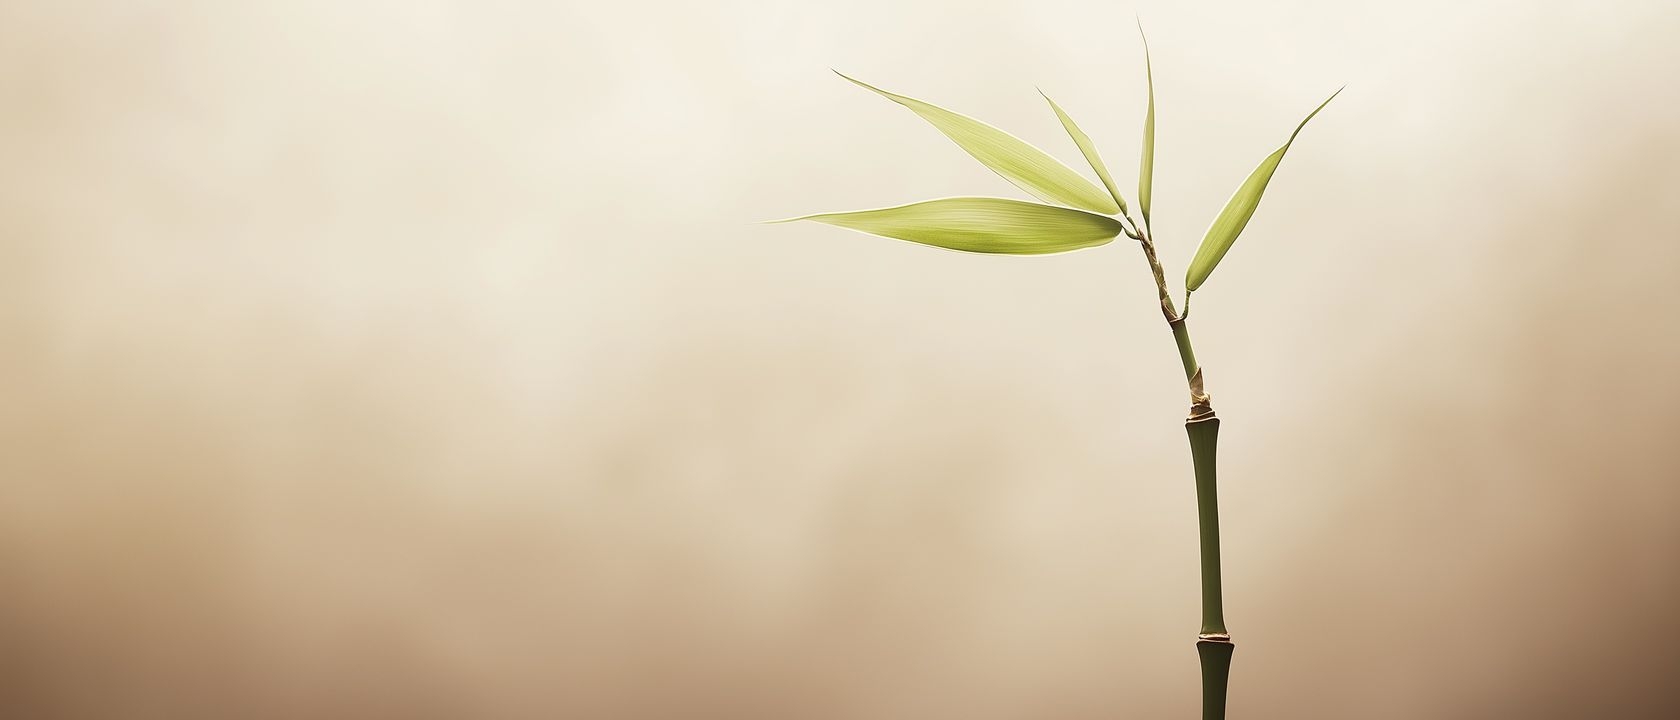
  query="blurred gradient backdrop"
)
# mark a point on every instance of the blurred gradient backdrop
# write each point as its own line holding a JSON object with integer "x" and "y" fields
{"x": 426, "y": 360}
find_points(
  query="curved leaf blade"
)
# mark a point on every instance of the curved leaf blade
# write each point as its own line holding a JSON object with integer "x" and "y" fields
{"x": 1029, "y": 168}
{"x": 1231, "y": 221}
{"x": 1088, "y": 149}
{"x": 981, "y": 225}
{"x": 1146, "y": 159}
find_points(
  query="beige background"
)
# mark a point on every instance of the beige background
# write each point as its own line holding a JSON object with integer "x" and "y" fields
{"x": 425, "y": 360}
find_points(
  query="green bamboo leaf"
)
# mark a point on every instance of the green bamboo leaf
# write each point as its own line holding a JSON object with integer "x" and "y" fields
{"x": 1146, "y": 163}
{"x": 1231, "y": 221}
{"x": 1028, "y": 167}
{"x": 1087, "y": 149}
{"x": 981, "y": 225}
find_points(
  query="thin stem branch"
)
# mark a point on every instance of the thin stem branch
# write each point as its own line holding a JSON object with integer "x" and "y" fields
{"x": 1186, "y": 353}
{"x": 1131, "y": 232}
{"x": 1148, "y": 244}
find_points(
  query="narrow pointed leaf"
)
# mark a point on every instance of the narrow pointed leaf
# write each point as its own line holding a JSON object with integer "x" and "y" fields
{"x": 1146, "y": 160}
{"x": 1231, "y": 221}
{"x": 1028, "y": 167}
{"x": 1087, "y": 149}
{"x": 981, "y": 225}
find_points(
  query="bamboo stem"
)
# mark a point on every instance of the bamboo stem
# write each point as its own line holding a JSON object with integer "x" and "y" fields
{"x": 1181, "y": 336}
{"x": 1213, "y": 644}
{"x": 1204, "y": 444}
{"x": 1160, "y": 275}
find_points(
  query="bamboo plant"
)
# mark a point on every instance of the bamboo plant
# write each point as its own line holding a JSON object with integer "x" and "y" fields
{"x": 1076, "y": 214}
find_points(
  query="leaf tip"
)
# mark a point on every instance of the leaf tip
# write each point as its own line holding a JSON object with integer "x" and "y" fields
{"x": 861, "y": 83}
{"x": 1314, "y": 113}
{"x": 1333, "y": 95}
{"x": 1049, "y": 99}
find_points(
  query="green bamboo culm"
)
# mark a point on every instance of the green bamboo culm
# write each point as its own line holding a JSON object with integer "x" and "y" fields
{"x": 1204, "y": 447}
{"x": 1076, "y": 214}
{"x": 1214, "y": 644}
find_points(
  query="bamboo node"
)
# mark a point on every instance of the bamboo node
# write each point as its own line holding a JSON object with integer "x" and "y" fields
{"x": 1215, "y": 638}
{"x": 1200, "y": 402}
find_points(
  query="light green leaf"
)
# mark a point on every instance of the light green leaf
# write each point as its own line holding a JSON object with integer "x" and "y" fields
{"x": 1026, "y": 166}
{"x": 981, "y": 225}
{"x": 1146, "y": 161}
{"x": 1231, "y": 221}
{"x": 1087, "y": 149}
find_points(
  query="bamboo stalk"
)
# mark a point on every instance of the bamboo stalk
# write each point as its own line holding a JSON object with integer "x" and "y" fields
{"x": 1204, "y": 443}
{"x": 1213, "y": 644}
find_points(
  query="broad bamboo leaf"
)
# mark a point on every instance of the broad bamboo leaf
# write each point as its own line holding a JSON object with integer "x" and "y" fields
{"x": 1231, "y": 221}
{"x": 1087, "y": 149}
{"x": 1146, "y": 160}
{"x": 1028, "y": 167}
{"x": 981, "y": 225}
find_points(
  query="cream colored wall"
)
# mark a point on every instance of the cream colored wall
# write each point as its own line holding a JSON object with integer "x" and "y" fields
{"x": 425, "y": 360}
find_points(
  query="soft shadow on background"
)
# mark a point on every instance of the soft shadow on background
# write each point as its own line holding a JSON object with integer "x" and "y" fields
{"x": 425, "y": 360}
